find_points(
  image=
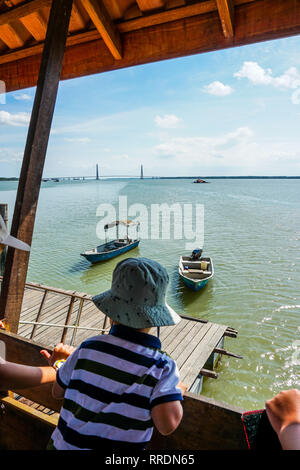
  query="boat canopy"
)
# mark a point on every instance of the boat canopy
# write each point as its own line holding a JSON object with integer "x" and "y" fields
{"x": 126, "y": 223}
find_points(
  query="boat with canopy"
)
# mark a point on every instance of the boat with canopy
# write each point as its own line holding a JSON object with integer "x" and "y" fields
{"x": 112, "y": 248}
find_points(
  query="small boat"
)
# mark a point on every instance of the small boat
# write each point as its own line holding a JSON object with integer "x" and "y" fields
{"x": 113, "y": 248}
{"x": 199, "y": 180}
{"x": 196, "y": 270}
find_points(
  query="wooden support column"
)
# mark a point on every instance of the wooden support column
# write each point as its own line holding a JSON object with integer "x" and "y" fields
{"x": 33, "y": 162}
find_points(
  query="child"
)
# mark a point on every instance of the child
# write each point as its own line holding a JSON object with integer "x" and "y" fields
{"x": 116, "y": 386}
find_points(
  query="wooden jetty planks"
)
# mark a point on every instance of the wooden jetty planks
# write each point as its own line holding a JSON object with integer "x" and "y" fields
{"x": 197, "y": 359}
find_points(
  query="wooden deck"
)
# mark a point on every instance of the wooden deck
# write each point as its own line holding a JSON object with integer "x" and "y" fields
{"x": 191, "y": 343}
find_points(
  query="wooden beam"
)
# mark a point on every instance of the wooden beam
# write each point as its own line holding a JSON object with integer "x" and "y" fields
{"x": 226, "y": 13}
{"x": 11, "y": 37}
{"x": 206, "y": 425}
{"x": 23, "y": 10}
{"x": 77, "y": 21}
{"x": 105, "y": 26}
{"x": 178, "y": 38}
{"x": 33, "y": 162}
{"x": 123, "y": 27}
{"x": 147, "y": 5}
{"x": 36, "y": 24}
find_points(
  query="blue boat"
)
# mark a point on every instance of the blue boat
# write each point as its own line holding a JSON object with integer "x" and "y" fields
{"x": 111, "y": 249}
{"x": 196, "y": 272}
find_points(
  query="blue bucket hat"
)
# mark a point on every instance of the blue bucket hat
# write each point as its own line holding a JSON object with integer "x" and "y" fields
{"x": 137, "y": 297}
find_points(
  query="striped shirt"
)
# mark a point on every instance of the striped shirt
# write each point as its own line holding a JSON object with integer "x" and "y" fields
{"x": 112, "y": 382}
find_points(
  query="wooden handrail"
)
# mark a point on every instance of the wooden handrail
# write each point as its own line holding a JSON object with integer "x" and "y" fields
{"x": 39, "y": 314}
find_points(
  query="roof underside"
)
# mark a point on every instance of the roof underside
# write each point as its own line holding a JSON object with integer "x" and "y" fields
{"x": 110, "y": 34}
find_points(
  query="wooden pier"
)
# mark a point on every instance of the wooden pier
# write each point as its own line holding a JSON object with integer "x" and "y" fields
{"x": 51, "y": 315}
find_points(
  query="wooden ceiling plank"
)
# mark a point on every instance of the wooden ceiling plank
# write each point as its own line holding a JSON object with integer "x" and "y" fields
{"x": 226, "y": 14}
{"x": 11, "y": 37}
{"x": 167, "y": 16}
{"x": 148, "y": 5}
{"x": 36, "y": 24}
{"x": 77, "y": 21}
{"x": 23, "y": 10}
{"x": 186, "y": 36}
{"x": 105, "y": 26}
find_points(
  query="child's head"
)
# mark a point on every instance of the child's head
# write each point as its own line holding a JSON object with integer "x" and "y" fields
{"x": 137, "y": 297}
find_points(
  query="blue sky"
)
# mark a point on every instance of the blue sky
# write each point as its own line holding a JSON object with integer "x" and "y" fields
{"x": 231, "y": 112}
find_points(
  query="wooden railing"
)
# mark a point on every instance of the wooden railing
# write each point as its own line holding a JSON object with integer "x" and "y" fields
{"x": 73, "y": 295}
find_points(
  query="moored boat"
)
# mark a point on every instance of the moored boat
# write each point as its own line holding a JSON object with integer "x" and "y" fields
{"x": 111, "y": 249}
{"x": 199, "y": 180}
{"x": 196, "y": 271}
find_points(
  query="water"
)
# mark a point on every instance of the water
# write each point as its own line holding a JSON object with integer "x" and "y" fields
{"x": 252, "y": 232}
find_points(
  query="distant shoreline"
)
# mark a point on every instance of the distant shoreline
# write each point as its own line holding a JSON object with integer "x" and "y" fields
{"x": 175, "y": 177}
{"x": 9, "y": 179}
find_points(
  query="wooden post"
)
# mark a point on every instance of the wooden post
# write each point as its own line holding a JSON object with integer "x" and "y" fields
{"x": 4, "y": 214}
{"x": 33, "y": 162}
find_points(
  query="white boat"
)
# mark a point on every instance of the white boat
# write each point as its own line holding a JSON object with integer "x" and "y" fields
{"x": 196, "y": 272}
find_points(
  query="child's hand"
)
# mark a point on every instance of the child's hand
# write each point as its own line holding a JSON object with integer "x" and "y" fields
{"x": 61, "y": 351}
{"x": 284, "y": 409}
{"x": 182, "y": 387}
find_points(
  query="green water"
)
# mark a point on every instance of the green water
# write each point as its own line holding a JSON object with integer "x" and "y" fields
{"x": 252, "y": 233}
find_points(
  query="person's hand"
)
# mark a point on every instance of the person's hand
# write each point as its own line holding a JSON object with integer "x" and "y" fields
{"x": 284, "y": 409}
{"x": 61, "y": 351}
{"x": 182, "y": 387}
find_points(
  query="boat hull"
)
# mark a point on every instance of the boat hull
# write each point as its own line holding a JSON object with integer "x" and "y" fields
{"x": 190, "y": 277}
{"x": 104, "y": 256}
{"x": 194, "y": 285}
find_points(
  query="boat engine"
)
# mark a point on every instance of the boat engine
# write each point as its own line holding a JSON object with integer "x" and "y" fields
{"x": 197, "y": 253}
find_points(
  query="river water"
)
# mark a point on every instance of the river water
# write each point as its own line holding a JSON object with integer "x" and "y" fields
{"x": 251, "y": 231}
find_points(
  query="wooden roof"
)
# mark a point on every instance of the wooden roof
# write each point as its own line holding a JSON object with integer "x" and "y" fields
{"x": 110, "y": 34}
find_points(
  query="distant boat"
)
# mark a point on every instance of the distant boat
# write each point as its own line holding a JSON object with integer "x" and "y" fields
{"x": 113, "y": 248}
{"x": 199, "y": 180}
{"x": 196, "y": 271}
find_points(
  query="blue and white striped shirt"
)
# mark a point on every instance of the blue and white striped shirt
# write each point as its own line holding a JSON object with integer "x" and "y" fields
{"x": 112, "y": 382}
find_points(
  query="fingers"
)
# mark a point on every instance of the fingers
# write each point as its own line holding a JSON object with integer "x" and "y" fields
{"x": 45, "y": 353}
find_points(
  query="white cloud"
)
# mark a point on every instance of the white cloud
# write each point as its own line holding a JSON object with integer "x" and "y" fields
{"x": 218, "y": 89}
{"x": 78, "y": 139}
{"x": 18, "y": 119}
{"x": 235, "y": 153}
{"x": 204, "y": 148}
{"x": 168, "y": 121}
{"x": 22, "y": 97}
{"x": 259, "y": 76}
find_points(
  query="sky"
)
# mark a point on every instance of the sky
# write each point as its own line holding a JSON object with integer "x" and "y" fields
{"x": 230, "y": 112}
